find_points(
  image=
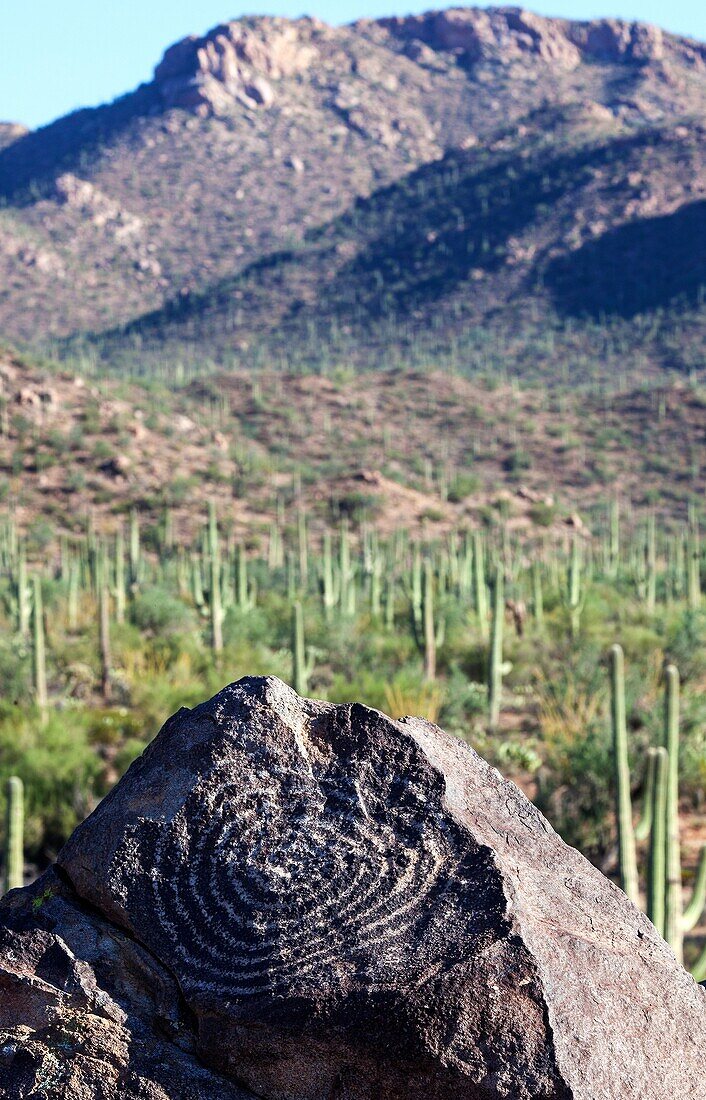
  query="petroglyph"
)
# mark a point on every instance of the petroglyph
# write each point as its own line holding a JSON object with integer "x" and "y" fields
{"x": 276, "y": 862}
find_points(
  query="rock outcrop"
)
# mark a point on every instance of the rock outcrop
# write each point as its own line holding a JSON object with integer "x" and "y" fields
{"x": 306, "y": 901}
{"x": 11, "y": 131}
{"x": 505, "y": 34}
{"x": 236, "y": 62}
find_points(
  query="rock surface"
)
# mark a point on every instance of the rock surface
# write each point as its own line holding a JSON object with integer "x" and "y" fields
{"x": 311, "y": 901}
{"x": 231, "y": 64}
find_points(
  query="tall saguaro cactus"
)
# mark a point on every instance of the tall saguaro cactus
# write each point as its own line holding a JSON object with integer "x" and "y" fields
{"x": 656, "y": 875}
{"x": 626, "y": 834}
{"x": 574, "y": 598}
{"x": 24, "y": 605}
{"x": 302, "y": 665}
{"x": 481, "y": 590}
{"x": 659, "y": 821}
{"x": 673, "y": 895}
{"x": 104, "y": 624}
{"x": 495, "y": 661}
{"x": 433, "y": 633}
{"x": 693, "y": 566}
{"x": 39, "y": 648}
{"x": 216, "y": 607}
{"x": 135, "y": 549}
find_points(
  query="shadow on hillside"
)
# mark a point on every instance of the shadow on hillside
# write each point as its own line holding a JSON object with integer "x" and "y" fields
{"x": 30, "y": 165}
{"x": 635, "y": 268}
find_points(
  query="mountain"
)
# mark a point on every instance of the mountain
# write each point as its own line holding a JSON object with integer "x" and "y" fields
{"x": 484, "y": 187}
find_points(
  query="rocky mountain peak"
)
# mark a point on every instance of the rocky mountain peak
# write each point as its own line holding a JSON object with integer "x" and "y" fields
{"x": 236, "y": 62}
{"x": 508, "y": 34}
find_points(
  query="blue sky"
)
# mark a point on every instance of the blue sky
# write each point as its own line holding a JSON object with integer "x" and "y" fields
{"x": 55, "y": 56}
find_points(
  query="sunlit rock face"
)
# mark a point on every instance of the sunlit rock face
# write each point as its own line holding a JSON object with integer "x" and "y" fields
{"x": 238, "y": 62}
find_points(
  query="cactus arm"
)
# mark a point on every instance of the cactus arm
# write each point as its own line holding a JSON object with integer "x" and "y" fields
{"x": 642, "y": 829}
{"x": 695, "y": 907}
{"x": 14, "y": 835}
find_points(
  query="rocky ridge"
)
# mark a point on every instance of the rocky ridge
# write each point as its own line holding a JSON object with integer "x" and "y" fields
{"x": 264, "y": 130}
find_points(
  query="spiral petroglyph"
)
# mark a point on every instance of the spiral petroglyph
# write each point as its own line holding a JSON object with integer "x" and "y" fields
{"x": 276, "y": 867}
{"x": 362, "y": 909}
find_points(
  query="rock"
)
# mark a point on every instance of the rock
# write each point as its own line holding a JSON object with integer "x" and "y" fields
{"x": 316, "y": 901}
{"x": 234, "y": 63}
{"x": 506, "y": 34}
{"x": 617, "y": 40}
{"x": 11, "y": 132}
{"x": 85, "y": 1013}
{"x": 574, "y": 520}
{"x": 117, "y": 466}
{"x": 260, "y": 90}
{"x": 501, "y": 35}
{"x": 28, "y": 397}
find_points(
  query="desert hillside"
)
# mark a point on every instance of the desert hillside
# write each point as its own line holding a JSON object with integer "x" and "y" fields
{"x": 478, "y": 186}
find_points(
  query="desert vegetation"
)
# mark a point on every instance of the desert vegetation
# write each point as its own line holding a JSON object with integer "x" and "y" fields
{"x": 502, "y": 636}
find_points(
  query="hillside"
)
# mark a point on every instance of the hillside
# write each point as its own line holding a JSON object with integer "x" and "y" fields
{"x": 400, "y": 189}
{"x": 419, "y": 450}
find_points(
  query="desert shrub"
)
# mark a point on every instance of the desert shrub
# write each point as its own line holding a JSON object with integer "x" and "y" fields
{"x": 542, "y": 514}
{"x": 462, "y": 486}
{"x": 517, "y": 461}
{"x": 61, "y": 773}
{"x": 158, "y": 612}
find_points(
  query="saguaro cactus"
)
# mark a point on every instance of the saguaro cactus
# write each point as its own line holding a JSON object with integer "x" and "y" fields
{"x": 104, "y": 624}
{"x": 659, "y": 821}
{"x": 656, "y": 876}
{"x": 614, "y": 539}
{"x": 24, "y": 604}
{"x": 673, "y": 931}
{"x": 651, "y": 564}
{"x": 626, "y": 834}
{"x": 302, "y": 664}
{"x": 215, "y": 602}
{"x": 39, "y": 648}
{"x": 537, "y": 593}
{"x": 135, "y": 550}
{"x": 433, "y": 635}
{"x": 481, "y": 590}
{"x": 428, "y": 632}
{"x": 496, "y": 667}
{"x": 244, "y": 587}
{"x": 693, "y": 565}
{"x": 329, "y": 590}
{"x": 574, "y": 598}
{"x": 14, "y": 834}
{"x": 120, "y": 596}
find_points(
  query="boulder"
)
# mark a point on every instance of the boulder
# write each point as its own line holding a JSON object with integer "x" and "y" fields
{"x": 305, "y": 901}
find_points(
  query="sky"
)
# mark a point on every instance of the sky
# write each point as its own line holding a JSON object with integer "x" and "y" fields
{"x": 56, "y": 56}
